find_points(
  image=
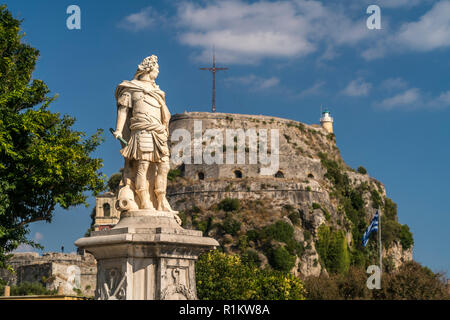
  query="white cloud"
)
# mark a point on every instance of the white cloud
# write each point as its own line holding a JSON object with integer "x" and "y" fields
{"x": 254, "y": 82}
{"x": 140, "y": 20}
{"x": 431, "y": 31}
{"x": 408, "y": 99}
{"x": 398, "y": 3}
{"x": 247, "y": 32}
{"x": 315, "y": 89}
{"x": 393, "y": 84}
{"x": 357, "y": 88}
{"x": 444, "y": 98}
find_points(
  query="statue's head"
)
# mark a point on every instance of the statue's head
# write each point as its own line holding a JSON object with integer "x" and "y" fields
{"x": 148, "y": 66}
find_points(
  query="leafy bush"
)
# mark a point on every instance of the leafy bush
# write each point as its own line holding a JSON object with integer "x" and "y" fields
{"x": 362, "y": 170}
{"x": 295, "y": 219}
{"x": 406, "y": 237}
{"x": 327, "y": 214}
{"x": 394, "y": 231}
{"x": 231, "y": 226}
{"x": 376, "y": 199}
{"x": 288, "y": 207}
{"x": 227, "y": 277}
{"x": 280, "y": 231}
{"x": 332, "y": 249}
{"x": 315, "y": 206}
{"x": 250, "y": 256}
{"x": 29, "y": 289}
{"x": 229, "y": 204}
{"x": 412, "y": 282}
{"x": 280, "y": 259}
{"x": 390, "y": 209}
{"x": 349, "y": 286}
{"x": 114, "y": 181}
{"x": 321, "y": 288}
{"x": 173, "y": 174}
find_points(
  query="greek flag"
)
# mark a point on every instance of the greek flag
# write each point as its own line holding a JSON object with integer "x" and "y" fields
{"x": 372, "y": 227}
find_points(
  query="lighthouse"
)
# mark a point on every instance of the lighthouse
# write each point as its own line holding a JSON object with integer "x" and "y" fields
{"x": 327, "y": 121}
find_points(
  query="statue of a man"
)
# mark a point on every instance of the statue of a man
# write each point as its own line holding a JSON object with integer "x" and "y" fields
{"x": 143, "y": 121}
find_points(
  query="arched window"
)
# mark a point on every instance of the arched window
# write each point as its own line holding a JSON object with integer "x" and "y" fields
{"x": 279, "y": 174}
{"x": 201, "y": 176}
{"x": 106, "y": 210}
{"x": 238, "y": 174}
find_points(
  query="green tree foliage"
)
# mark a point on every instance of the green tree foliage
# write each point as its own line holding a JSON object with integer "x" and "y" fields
{"x": 114, "y": 182}
{"x": 44, "y": 163}
{"x": 315, "y": 206}
{"x": 362, "y": 170}
{"x": 412, "y": 282}
{"x": 231, "y": 226}
{"x": 229, "y": 204}
{"x": 332, "y": 249}
{"x": 226, "y": 277}
{"x": 390, "y": 209}
{"x": 376, "y": 199}
{"x": 280, "y": 259}
{"x": 173, "y": 174}
{"x": 348, "y": 286}
{"x": 278, "y": 243}
{"x": 29, "y": 288}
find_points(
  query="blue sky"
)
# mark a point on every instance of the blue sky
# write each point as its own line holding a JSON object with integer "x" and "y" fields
{"x": 388, "y": 89}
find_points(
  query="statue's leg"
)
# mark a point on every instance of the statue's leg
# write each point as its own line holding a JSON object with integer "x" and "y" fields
{"x": 162, "y": 170}
{"x": 142, "y": 184}
{"x": 151, "y": 181}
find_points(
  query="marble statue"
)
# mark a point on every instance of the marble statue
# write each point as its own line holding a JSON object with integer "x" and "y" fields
{"x": 143, "y": 127}
{"x": 147, "y": 255}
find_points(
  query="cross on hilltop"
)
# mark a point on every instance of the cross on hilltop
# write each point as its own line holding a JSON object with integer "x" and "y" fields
{"x": 214, "y": 70}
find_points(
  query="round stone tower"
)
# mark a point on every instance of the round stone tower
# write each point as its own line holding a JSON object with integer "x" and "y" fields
{"x": 327, "y": 121}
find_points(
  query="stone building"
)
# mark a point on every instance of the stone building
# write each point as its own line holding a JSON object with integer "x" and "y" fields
{"x": 69, "y": 273}
{"x": 106, "y": 213}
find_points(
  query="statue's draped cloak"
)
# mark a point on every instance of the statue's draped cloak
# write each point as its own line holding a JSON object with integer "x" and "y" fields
{"x": 159, "y": 128}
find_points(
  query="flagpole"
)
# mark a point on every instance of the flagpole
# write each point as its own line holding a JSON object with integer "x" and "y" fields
{"x": 380, "y": 244}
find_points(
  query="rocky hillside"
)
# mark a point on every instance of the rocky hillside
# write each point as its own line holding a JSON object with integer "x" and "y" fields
{"x": 308, "y": 218}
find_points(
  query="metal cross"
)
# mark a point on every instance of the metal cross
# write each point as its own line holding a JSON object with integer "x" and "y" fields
{"x": 214, "y": 70}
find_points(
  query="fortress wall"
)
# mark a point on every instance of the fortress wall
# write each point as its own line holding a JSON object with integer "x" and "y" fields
{"x": 296, "y": 158}
{"x": 279, "y": 191}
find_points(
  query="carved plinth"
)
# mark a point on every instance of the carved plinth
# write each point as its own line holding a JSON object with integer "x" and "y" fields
{"x": 146, "y": 256}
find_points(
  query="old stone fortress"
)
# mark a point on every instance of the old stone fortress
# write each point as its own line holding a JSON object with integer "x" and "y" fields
{"x": 147, "y": 235}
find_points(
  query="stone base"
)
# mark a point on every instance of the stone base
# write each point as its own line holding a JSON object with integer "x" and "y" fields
{"x": 146, "y": 256}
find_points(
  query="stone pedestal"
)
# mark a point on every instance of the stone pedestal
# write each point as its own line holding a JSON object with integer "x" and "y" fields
{"x": 146, "y": 256}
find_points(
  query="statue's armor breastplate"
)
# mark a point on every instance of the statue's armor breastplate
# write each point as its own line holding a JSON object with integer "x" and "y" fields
{"x": 145, "y": 104}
